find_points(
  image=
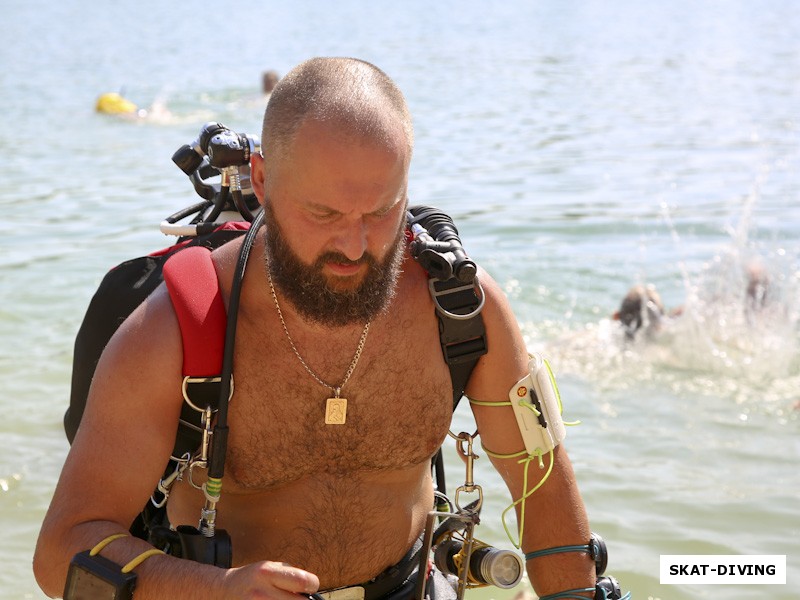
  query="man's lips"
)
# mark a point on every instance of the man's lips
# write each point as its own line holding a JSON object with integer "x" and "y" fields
{"x": 344, "y": 269}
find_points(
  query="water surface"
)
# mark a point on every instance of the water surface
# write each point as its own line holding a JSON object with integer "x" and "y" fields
{"x": 581, "y": 147}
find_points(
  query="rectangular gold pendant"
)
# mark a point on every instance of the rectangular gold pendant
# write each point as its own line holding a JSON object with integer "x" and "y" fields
{"x": 336, "y": 411}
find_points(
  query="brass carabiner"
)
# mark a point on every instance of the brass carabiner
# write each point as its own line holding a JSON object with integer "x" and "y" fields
{"x": 469, "y": 457}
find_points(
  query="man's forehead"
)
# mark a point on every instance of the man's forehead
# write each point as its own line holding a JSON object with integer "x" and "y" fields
{"x": 322, "y": 167}
{"x": 389, "y": 134}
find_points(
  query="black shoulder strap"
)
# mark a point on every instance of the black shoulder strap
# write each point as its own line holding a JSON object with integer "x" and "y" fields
{"x": 454, "y": 286}
{"x": 461, "y": 330}
{"x": 463, "y": 338}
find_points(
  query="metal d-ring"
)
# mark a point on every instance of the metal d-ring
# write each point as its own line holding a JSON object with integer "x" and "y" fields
{"x": 435, "y": 295}
{"x": 187, "y": 380}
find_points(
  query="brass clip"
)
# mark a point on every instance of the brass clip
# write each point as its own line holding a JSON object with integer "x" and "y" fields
{"x": 469, "y": 457}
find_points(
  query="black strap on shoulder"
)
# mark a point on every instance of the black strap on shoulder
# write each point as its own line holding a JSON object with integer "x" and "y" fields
{"x": 463, "y": 343}
{"x": 458, "y": 299}
{"x": 436, "y": 246}
{"x": 463, "y": 339}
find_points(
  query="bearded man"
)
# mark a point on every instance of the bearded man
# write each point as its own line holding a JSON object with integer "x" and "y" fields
{"x": 318, "y": 496}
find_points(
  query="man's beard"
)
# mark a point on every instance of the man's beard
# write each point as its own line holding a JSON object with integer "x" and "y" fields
{"x": 313, "y": 297}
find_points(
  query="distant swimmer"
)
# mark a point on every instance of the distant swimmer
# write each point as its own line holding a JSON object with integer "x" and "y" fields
{"x": 269, "y": 79}
{"x": 642, "y": 309}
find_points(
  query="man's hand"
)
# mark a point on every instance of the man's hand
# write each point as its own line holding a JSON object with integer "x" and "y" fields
{"x": 274, "y": 580}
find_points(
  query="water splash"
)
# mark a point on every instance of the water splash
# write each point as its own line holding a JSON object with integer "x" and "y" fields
{"x": 736, "y": 335}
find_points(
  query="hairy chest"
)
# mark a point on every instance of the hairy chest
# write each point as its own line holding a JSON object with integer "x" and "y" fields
{"x": 398, "y": 408}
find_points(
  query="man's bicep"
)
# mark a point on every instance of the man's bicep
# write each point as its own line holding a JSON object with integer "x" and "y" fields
{"x": 507, "y": 357}
{"x": 505, "y": 363}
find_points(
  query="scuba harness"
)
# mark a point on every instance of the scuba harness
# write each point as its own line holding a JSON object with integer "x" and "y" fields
{"x": 208, "y": 364}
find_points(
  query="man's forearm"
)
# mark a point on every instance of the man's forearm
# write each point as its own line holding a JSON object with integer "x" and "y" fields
{"x": 555, "y": 516}
{"x": 561, "y": 572}
{"x": 159, "y": 576}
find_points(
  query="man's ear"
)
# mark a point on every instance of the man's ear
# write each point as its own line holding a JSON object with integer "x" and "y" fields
{"x": 257, "y": 178}
{"x": 615, "y": 316}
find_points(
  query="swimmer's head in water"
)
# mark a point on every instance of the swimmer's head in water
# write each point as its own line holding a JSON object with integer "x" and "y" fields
{"x": 269, "y": 79}
{"x": 641, "y": 308}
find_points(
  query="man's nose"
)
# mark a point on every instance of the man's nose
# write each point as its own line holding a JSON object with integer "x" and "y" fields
{"x": 352, "y": 240}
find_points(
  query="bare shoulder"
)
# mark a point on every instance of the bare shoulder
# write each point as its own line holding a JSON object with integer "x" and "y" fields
{"x": 144, "y": 354}
{"x": 225, "y": 258}
{"x": 496, "y": 307}
{"x": 507, "y": 357}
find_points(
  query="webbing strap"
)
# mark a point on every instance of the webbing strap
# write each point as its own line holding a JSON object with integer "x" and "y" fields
{"x": 194, "y": 290}
{"x": 463, "y": 340}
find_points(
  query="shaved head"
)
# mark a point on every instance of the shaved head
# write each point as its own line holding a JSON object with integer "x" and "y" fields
{"x": 354, "y": 95}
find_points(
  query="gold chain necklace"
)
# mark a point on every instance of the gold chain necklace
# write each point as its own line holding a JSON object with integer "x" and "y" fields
{"x": 336, "y": 407}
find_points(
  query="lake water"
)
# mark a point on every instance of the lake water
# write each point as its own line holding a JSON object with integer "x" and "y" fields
{"x": 581, "y": 147}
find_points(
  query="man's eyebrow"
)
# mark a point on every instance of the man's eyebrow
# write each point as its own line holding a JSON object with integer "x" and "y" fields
{"x": 383, "y": 209}
{"x": 321, "y": 208}
{"x": 389, "y": 206}
{"x": 316, "y": 206}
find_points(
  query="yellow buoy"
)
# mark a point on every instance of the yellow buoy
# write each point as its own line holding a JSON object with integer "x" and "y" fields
{"x": 114, "y": 104}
